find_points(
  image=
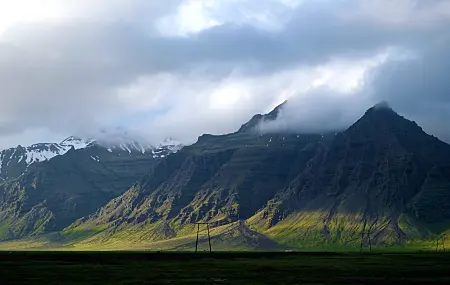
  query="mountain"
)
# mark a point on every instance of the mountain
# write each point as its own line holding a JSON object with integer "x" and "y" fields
{"x": 49, "y": 186}
{"x": 384, "y": 176}
{"x": 219, "y": 179}
{"x": 259, "y": 119}
{"x": 383, "y": 180}
{"x": 14, "y": 161}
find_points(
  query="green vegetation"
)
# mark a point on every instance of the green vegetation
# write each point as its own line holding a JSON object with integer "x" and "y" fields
{"x": 53, "y": 194}
{"x": 383, "y": 176}
{"x": 237, "y": 236}
{"x": 223, "y": 268}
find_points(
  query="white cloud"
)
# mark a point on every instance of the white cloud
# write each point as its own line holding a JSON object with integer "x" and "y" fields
{"x": 183, "y": 68}
{"x": 212, "y": 106}
{"x": 346, "y": 77}
{"x": 194, "y": 16}
{"x": 20, "y": 11}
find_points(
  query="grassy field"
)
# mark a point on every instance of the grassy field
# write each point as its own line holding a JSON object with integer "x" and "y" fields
{"x": 222, "y": 268}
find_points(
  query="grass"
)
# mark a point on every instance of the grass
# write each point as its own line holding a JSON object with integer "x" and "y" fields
{"x": 231, "y": 237}
{"x": 223, "y": 268}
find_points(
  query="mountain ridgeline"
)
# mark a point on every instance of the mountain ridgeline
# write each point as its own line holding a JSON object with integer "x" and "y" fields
{"x": 15, "y": 161}
{"x": 383, "y": 176}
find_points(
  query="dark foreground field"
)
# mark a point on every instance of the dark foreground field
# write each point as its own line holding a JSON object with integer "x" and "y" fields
{"x": 222, "y": 268}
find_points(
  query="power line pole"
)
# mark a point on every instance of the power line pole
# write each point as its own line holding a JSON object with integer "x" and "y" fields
{"x": 209, "y": 238}
{"x": 442, "y": 240}
{"x": 362, "y": 241}
{"x": 198, "y": 232}
{"x": 363, "y": 234}
{"x": 196, "y": 242}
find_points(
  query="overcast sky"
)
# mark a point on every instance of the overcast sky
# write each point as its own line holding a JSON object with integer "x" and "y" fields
{"x": 183, "y": 68}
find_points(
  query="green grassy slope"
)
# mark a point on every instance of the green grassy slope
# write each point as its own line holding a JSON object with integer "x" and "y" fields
{"x": 384, "y": 176}
{"x": 53, "y": 194}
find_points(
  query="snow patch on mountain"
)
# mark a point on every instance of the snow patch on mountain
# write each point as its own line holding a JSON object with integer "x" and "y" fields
{"x": 15, "y": 161}
{"x": 125, "y": 147}
{"x": 96, "y": 158}
{"x": 171, "y": 144}
{"x": 46, "y": 151}
{"x": 168, "y": 146}
{"x": 77, "y": 143}
{"x": 38, "y": 155}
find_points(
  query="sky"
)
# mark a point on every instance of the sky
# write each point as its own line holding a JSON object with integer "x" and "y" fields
{"x": 182, "y": 68}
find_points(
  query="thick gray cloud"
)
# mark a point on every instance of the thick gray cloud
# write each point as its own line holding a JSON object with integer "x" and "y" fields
{"x": 416, "y": 87}
{"x": 113, "y": 67}
{"x": 419, "y": 88}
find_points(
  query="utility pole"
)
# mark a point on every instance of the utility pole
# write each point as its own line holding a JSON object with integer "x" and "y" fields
{"x": 363, "y": 234}
{"x": 442, "y": 240}
{"x": 198, "y": 232}
{"x": 362, "y": 241}
{"x": 196, "y": 242}
{"x": 209, "y": 238}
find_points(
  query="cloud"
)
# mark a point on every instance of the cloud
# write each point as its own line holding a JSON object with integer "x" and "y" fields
{"x": 191, "y": 67}
{"x": 414, "y": 84}
{"x": 419, "y": 88}
{"x": 193, "y": 16}
{"x": 337, "y": 98}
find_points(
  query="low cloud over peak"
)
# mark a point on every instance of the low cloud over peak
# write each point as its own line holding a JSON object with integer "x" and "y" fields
{"x": 88, "y": 65}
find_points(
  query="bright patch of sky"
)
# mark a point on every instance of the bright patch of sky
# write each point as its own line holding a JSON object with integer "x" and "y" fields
{"x": 14, "y": 12}
{"x": 193, "y": 16}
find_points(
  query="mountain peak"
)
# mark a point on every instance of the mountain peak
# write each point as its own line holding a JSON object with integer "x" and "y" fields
{"x": 75, "y": 142}
{"x": 381, "y": 108}
{"x": 257, "y": 119}
{"x": 276, "y": 111}
{"x": 382, "y": 111}
{"x": 381, "y": 124}
{"x": 71, "y": 139}
{"x": 384, "y": 105}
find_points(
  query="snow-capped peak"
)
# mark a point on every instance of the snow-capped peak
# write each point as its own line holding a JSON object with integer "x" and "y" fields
{"x": 41, "y": 152}
{"x": 45, "y": 151}
{"x": 15, "y": 161}
{"x": 77, "y": 143}
{"x": 171, "y": 145}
